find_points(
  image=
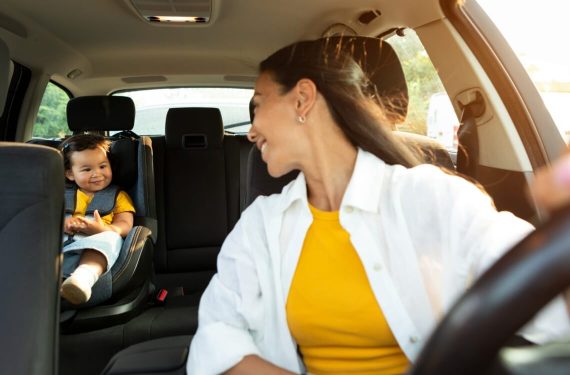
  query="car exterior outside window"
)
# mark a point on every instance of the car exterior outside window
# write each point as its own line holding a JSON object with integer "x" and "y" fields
{"x": 430, "y": 111}
{"x": 51, "y": 121}
{"x": 153, "y": 104}
{"x": 535, "y": 35}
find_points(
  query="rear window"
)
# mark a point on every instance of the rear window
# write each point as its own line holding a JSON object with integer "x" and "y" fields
{"x": 153, "y": 104}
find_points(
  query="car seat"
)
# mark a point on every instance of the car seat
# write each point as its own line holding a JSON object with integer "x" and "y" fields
{"x": 124, "y": 291}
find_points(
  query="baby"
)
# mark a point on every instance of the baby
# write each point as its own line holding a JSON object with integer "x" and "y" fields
{"x": 98, "y": 216}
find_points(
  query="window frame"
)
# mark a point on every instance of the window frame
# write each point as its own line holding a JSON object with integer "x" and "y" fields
{"x": 515, "y": 88}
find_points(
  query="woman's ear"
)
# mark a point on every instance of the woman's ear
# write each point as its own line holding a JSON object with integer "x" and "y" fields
{"x": 306, "y": 91}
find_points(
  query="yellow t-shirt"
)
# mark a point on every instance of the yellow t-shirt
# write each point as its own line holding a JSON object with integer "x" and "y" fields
{"x": 331, "y": 310}
{"x": 122, "y": 204}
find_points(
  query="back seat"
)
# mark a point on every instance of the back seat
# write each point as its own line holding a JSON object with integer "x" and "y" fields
{"x": 197, "y": 169}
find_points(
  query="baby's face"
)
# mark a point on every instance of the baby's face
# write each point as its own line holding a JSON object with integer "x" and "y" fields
{"x": 90, "y": 170}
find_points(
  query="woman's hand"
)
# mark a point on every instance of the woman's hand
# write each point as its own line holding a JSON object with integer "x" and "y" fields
{"x": 550, "y": 189}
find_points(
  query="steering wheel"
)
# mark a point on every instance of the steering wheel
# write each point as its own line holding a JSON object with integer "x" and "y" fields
{"x": 500, "y": 302}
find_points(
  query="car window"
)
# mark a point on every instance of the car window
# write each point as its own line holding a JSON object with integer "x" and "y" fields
{"x": 51, "y": 121}
{"x": 535, "y": 34}
{"x": 153, "y": 104}
{"x": 430, "y": 111}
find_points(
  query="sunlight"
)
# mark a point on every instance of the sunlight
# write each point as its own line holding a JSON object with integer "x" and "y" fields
{"x": 538, "y": 31}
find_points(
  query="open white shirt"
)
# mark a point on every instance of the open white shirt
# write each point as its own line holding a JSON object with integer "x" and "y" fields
{"x": 422, "y": 236}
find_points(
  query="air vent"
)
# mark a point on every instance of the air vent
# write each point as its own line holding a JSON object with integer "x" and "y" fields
{"x": 174, "y": 11}
{"x": 370, "y": 15}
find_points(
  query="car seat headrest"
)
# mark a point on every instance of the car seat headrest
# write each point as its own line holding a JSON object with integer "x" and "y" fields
{"x": 379, "y": 62}
{"x": 194, "y": 128}
{"x": 123, "y": 154}
{"x": 103, "y": 113}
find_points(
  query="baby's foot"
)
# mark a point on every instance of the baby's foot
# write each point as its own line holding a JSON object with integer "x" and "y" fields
{"x": 77, "y": 288}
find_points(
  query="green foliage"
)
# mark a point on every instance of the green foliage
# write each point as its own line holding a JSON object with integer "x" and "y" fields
{"x": 51, "y": 121}
{"x": 421, "y": 77}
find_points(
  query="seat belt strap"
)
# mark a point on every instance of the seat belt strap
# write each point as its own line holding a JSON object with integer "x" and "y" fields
{"x": 468, "y": 136}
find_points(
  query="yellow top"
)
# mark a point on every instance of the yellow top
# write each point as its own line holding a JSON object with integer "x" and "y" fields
{"x": 331, "y": 310}
{"x": 123, "y": 204}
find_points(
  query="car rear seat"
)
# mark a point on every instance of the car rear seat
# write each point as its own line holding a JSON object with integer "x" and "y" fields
{"x": 192, "y": 194}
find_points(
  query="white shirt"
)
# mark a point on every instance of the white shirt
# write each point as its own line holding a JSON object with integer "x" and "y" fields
{"x": 421, "y": 234}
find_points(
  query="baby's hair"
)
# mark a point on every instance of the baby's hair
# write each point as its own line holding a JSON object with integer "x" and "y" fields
{"x": 81, "y": 142}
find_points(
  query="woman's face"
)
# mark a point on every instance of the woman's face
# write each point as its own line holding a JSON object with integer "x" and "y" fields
{"x": 275, "y": 130}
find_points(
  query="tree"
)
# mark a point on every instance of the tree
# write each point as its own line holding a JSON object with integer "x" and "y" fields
{"x": 51, "y": 121}
{"x": 421, "y": 77}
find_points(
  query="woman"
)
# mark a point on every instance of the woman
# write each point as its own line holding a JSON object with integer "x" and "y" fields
{"x": 351, "y": 266}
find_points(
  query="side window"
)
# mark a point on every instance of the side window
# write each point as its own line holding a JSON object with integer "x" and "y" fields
{"x": 51, "y": 121}
{"x": 543, "y": 56}
{"x": 430, "y": 111}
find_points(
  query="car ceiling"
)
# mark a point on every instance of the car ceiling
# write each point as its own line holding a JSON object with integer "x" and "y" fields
{"x": 108, "y": 41}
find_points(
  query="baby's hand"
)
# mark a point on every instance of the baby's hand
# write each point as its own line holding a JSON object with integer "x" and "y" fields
{"x": 97, "y": 225}
{"x": 72, "y": 225}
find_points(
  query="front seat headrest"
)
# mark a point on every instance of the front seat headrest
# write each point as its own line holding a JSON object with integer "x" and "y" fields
{"x": 379, "y": 62}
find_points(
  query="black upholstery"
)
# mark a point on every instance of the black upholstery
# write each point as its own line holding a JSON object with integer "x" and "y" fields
{"x": 100, "y": 113}
{"x": 186, "y": 127}
{"x": 196, "y": 221}
{"x": 161, "y": 356}
{"x": 236, "y": 147}
{"x": 31, "y": 222}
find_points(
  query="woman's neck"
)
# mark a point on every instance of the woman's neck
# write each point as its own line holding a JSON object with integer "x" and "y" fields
{"x": 328, "y": 171}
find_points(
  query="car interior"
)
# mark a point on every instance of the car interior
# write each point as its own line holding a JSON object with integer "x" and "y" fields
{"x": 193, "y": 175}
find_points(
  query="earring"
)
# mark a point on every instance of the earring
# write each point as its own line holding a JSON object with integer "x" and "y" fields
{"x": 301, "y": 119}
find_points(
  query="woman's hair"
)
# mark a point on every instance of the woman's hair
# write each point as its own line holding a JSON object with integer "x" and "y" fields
{"x": 81, "y": 142}
{"x": 350, "y": 95}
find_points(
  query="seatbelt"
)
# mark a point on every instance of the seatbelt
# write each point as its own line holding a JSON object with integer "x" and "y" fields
{"x": 468, "y": 136}
{"x": 103, "y": 201}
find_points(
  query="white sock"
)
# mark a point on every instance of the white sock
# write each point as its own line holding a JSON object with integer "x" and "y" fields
{"x": 85, "y": 274}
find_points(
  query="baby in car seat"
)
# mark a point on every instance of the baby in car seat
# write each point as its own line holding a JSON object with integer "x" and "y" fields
{"x": 98, "y": 215}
